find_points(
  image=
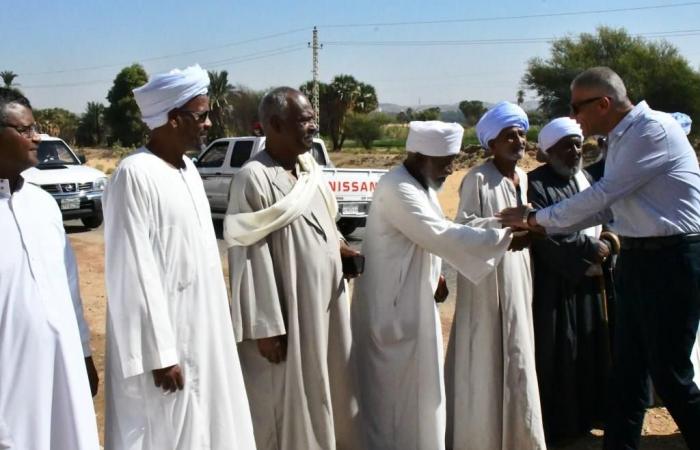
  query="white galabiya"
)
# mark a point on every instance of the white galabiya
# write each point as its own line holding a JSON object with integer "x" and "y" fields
{"x": 45, "y": 401}
{"x": 491, "y": 378}
{"x": 287, "y": 279}
{"x": 397, "y": 337}
{"x": 167, "y": 303}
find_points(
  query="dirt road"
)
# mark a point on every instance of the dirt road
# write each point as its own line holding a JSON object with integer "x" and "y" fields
{"x": 659, "y": 429}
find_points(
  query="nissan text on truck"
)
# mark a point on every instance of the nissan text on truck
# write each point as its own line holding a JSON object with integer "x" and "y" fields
{"x": 223, "y": 158}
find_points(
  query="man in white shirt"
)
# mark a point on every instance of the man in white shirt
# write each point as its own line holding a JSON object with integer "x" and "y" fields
{"x": 44, "y": 392}
{"x": 652, "y": 185}
{"x": 173, "y": 380}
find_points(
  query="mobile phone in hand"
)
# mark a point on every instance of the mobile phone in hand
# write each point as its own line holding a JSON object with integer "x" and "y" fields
{"x": 353, "y": 265}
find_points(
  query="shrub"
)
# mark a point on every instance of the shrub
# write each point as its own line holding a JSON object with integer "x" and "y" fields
{"x": 364, "y": 128}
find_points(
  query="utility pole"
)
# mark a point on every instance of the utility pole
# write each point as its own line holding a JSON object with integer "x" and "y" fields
{"x": 315, "y": 47}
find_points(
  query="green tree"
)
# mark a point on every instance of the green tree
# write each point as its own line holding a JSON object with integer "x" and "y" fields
{"x": 365, "y": 128}
{"x": 243, "y": 103}
{"x": 405, "y": 116}
{"x": 122, "y": 116}
{"x": 57, "y": 122}
{"x": 427, "y": 114}
{"x": 652, "y": 71}
{"x": 520, "y": 97}
{"x": 219, "y": 99}
{"x": 92, "y": 130}
{"x": 344, "y": 95}
{"x": 472, "y": 111}
{"x": 8, "y": 77}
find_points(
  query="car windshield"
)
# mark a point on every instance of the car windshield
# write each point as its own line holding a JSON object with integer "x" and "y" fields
{"x": 55, "y": 153}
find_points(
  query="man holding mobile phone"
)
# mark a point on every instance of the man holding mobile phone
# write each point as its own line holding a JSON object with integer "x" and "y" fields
{"x": 289, "y": 304}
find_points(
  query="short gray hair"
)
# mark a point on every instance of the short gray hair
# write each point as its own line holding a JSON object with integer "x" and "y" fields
{"x": 275, "y": 103}
{"x": 604, "y": 79}
{"x": 10, "y": 97}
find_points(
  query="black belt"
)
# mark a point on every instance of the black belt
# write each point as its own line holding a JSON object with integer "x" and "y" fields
{"x": 657, "y": 242}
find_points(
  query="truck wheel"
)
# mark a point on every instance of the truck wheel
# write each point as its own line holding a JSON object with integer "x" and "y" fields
{"x": 346, "y": 226}
{"x": 92, "y": 221}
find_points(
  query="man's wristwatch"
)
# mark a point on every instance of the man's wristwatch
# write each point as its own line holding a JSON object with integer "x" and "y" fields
{"x": 528, "y": 214}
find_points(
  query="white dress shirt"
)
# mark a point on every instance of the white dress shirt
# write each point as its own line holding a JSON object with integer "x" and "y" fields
{"x": 651, "y": 181}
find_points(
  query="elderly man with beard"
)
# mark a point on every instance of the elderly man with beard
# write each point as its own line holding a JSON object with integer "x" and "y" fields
{"x": 652, "y": 185}
{"x": 397, "y": 340}
{"x": 173, "y": 377}
{"x": 571, "y": 336}
{"x": 491, "y": 382}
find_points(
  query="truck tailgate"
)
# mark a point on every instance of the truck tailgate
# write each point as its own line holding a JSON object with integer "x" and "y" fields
{"x": 353, "y": 184}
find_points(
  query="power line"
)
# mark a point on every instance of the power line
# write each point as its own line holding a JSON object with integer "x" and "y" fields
{"x": 72, "y": 84}
{"x": 234, "y": 60}
{"x": 254, "y": 58}
{"x": 375, "y": 24}
{"x": 519, "y": 17}
{"x": 500, "y": 41}
{"x": 172, "y": 55}
{"x": 438, "y": 43}
{"x": 256, "y": 55}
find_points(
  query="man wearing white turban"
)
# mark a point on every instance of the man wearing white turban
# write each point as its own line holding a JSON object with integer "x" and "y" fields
{"x": 503, "y": 115}
{"x": 491, "y": 382}
{"x": 571, "y": 333}
{"x": 173, "y": 379}
{"x": 397, "y": 338}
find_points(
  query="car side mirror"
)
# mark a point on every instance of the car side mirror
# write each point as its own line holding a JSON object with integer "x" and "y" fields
{"x": 82, "y": 159}
{"x": 194, "y": 160}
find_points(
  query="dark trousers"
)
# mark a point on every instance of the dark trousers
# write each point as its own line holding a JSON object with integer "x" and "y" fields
{"x": 656, "y": 322}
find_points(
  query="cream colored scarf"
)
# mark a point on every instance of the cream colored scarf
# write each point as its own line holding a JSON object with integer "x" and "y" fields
{"x": 244, "y": 229}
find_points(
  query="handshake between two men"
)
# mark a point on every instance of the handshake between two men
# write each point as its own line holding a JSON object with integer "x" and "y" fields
{"x": 522, "y": 220}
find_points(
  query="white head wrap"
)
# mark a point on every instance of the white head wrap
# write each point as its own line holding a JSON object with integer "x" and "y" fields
{"x": 558, "y": 128}
{"x": 503, "y": 115}
{"x": 434, "y": 138}
{"x": 684, "y": 121}
{"x": 167, "y": 91}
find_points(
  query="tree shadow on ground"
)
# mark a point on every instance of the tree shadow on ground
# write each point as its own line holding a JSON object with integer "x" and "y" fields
{"x": 72, "y": 229}
{"x": 652, "y": 442}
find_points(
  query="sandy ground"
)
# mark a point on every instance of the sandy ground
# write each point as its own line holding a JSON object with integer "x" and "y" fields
{"x": 660, "y": 432}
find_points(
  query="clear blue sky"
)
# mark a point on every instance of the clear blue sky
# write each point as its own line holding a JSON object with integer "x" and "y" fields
{"x": 59, "y": 36}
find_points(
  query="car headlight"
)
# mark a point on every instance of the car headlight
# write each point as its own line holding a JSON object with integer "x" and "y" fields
{"x": 100, "y": 184}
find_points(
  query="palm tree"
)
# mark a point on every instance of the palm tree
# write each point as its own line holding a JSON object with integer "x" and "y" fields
{"x": 366, "y": 100}
{"x": 521, "y": 97}
{"x": 91, "y": 130}
{"x": 8, "y": 77}
{"x": 349, "y": 96}
{"x": 219, "y": 94}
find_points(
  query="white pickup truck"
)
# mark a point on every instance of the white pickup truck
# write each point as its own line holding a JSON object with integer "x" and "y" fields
{"x": 353, "y": 188}
{"x": 76, "y": 187}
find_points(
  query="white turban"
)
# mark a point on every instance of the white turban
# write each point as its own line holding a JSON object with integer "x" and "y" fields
{"x": 503, "y": 115}
{"x": 167, "y": 91}
{"x": 558, "y": 128}
{"x": 434, "y": 138}
{"x": 684, "y": 121}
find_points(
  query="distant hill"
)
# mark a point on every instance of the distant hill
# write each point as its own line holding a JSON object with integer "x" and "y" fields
{"x": 393, "y": 108}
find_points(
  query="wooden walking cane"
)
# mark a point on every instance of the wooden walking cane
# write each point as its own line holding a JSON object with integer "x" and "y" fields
{"x": 603, "y": 292}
